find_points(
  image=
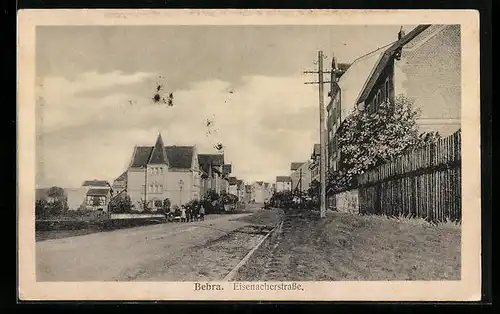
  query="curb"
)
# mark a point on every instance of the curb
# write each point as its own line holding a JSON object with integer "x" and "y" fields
{"x": 245, "y": 259}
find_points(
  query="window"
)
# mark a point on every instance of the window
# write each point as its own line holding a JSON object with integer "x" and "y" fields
{"x": 387, "y": 90}
{"x": 150, "y": 188}
{"x": 102, "y": 200}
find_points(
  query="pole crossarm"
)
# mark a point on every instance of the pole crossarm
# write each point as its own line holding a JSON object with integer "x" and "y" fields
{"x": 316, "y": 72}
{"x": 324, "y": 82}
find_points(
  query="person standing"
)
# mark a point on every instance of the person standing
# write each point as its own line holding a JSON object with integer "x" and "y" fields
{"x": 202, "y": 212}
{"x": 183, "y": 213}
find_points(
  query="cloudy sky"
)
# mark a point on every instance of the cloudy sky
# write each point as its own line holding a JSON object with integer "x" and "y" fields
{"x": 95, "y": 86}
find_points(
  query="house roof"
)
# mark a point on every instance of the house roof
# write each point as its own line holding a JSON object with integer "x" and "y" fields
{"x": 180, "y": 156}
{"x": 214, "y": 159}
{"x": 122, "y": 177}
{"x": 259, "y": 182}
{"x": 316, "y": 150}
{"x": 283, "y": 179}
{"x": 177, "y": 156}
{"x": 233, "y": 181}
{"x": 352, "y": 81}
{"x": 387, "y": 55}
{"x": 97, "y": 192}
{"x": 141, "y": 156}
{"x": 295, "y": 165}
{"x": 99, "y": 183}
{"x": 159, "y": 155}
{"x": 227, "y": 169}
{"x": 240, "y": 182}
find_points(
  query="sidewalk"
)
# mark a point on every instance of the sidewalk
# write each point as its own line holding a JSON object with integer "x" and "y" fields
{"x": 351, "y": 247}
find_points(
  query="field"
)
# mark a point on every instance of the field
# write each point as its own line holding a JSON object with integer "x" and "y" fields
{"x": 351, "y": 247}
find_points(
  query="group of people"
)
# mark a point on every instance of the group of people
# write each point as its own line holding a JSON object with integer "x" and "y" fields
{"x": 187, "y": 214}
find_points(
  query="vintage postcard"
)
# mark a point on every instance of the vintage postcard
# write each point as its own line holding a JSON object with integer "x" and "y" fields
{"x": 301, "y": 155}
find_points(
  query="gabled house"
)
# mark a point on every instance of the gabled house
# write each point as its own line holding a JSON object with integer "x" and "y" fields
{"x": 212, "y": 167}
{"x": 159, "y": 172}
{"x": 92, "y": 195}
{"x": 301, "y": 175}
{"x": 424, "y": 65}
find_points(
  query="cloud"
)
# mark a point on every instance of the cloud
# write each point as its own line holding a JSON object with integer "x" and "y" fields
{"x": 264, "y": 123}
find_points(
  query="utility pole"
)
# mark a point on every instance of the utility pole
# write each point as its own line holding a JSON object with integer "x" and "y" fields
{"x": 322, "y": 131}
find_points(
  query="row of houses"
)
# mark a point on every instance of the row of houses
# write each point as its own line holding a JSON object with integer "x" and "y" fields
{"x": 155, "y": 173}
{"x": 302, "y": 173}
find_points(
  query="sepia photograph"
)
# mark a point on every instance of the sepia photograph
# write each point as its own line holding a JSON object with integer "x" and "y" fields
{"x": 254, "y": 160}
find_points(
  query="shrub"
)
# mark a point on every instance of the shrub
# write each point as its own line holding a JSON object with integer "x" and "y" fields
{"x": 166, "y": 205}
{"x": 41, "y": 209}
{"x": 369, "y": 138}
{"x": 120, "y": 204}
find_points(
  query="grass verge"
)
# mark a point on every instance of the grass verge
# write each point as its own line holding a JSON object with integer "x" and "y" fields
{"x": 264, "y": 217}
{"x": 351, "y": 247}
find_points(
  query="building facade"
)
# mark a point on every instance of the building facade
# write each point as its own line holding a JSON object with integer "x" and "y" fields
{"x": 159, "y": 172}
{"x": 212, "y": 169}
{"x": 301, "y": 175}
{"x": 423, "y": 65}
{"x": 283, "y": 183}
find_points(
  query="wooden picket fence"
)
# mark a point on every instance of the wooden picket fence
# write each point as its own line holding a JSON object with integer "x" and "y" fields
{"x": 424, "y": 183}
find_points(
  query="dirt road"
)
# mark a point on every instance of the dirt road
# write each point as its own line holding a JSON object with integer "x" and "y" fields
{"x": 206, "y": 250}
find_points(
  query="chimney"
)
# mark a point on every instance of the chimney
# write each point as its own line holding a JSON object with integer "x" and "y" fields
{"x": 401, "y": 33}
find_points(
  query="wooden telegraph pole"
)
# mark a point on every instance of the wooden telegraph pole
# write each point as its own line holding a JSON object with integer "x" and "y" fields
{"x": 322, "y": 131}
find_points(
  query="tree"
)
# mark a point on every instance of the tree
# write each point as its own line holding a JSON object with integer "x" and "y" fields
{"x": 369, "y": 138}
{"x": 41, "y": 208}
{"x": 166, "y": 205}
{"x": 58, "y": 201}
{"x": 120, "y": 204}
{"x": 144, "y": 205}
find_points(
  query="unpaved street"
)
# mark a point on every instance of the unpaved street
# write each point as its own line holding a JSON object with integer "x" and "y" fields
{"x": 206, "y": 250}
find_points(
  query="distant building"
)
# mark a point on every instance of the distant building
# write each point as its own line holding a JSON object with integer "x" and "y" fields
{"x": 212, "y": 167}
{"x": 96, "y": 196}
{"x": 248, "y": 193}
{"x": 268, "y": 191}
{"x": 241, "y": 190}
{"x": 233, "y": 185}
{"x": 283, "y": 183}
{"x": 314, "y": 164}
{"x": 259, "y": 191}
{"x": 300, "y": 175}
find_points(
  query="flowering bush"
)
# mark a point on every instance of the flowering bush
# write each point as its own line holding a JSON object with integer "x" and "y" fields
{"x": 369, "y": 138}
